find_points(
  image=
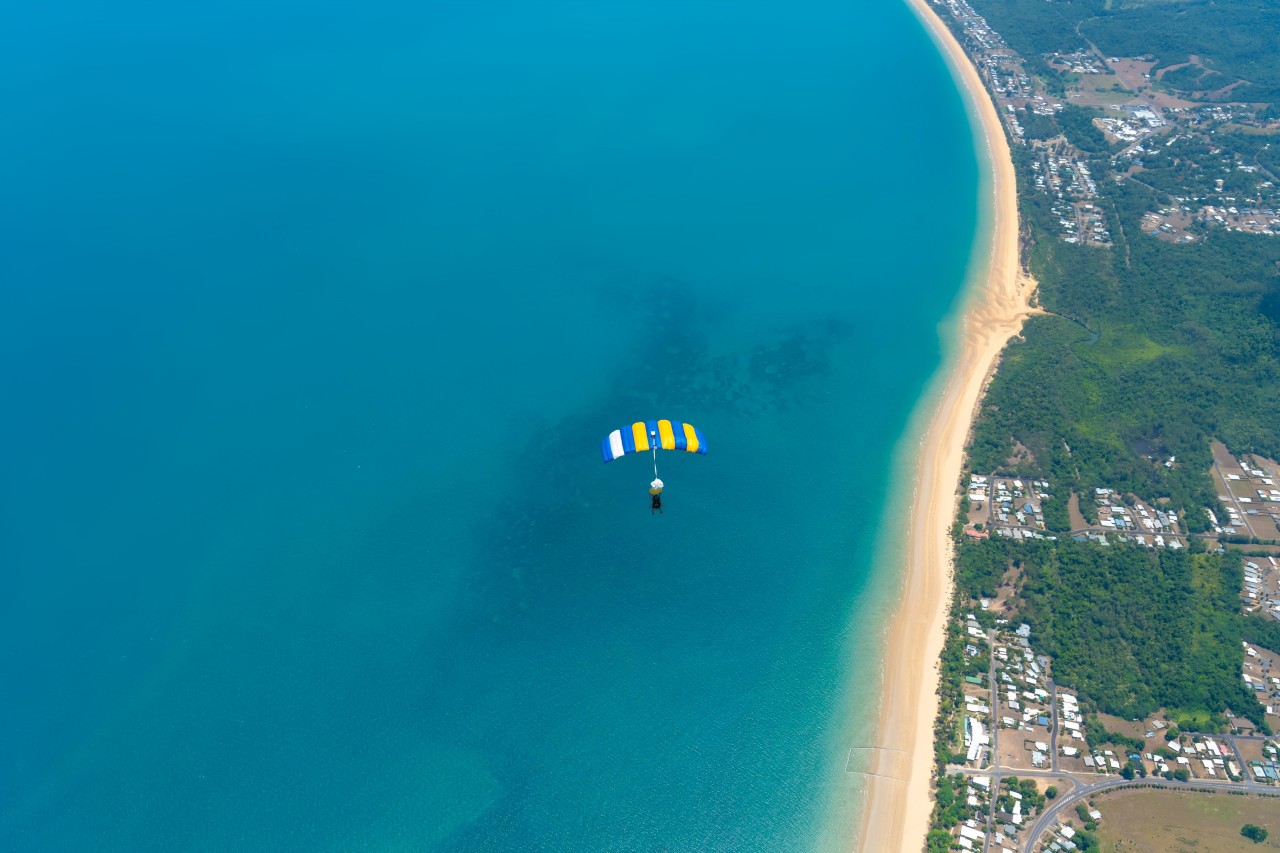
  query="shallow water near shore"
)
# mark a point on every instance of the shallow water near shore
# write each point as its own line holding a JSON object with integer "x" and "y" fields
{"x": 313, "y": 321}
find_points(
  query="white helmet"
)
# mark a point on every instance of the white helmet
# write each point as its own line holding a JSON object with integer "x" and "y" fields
{"x": 656, "y": 484}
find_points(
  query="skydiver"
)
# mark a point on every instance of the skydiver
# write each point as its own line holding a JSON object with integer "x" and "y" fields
{"x": 655, "y": 496}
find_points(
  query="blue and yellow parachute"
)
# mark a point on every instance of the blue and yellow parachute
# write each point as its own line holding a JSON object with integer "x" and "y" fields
{"x": 643, "y": 436}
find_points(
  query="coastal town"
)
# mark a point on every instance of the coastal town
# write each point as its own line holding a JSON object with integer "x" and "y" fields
{"x": 1011, "y": 507}
{"x": 1036, "y": 766}
{"x": 1008, "y": 507}
{"x": 1121, "y": 118}
{"x": 1017, "y": 727}
{"x": 1027, "y": 763}
{"x": 1028, "y": 760}
{"x": 984, "y": 554}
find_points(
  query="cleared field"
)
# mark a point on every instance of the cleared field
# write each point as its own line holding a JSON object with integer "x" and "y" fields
{"x": 1173, "y": 822}
{"x": 1130, "y": 728}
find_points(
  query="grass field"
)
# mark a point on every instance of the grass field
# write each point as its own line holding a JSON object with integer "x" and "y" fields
{"x": 1148, "y": 821}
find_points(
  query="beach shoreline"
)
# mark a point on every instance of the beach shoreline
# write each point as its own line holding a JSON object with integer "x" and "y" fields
{"x": 897, "y": 805}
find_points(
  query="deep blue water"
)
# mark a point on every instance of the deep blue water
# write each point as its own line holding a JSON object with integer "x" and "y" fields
{"x": 312, "y": 317}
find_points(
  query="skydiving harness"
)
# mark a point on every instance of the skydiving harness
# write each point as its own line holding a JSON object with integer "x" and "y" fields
{"x": 655, "y": 488}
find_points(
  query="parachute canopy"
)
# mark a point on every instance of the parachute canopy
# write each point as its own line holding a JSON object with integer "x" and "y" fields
{"x": 666, "y": 435}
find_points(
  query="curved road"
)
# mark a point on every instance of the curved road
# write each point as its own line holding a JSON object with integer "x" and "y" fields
{"x": 1048, "y": 817}
{"x": 1083, "y": 790}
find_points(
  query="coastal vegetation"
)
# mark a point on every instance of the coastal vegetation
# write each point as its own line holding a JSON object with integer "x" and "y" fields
{"x": 1150, "y": 351}
{"x": 1143, "y": 219}
{"x": 950, "y": 801}
{"x": 1147, "y": 352}
{"x": 1131, "y": 629}
{"x": 955, "y": 667}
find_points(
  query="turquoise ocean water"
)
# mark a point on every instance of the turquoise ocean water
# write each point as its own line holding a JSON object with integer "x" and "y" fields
{"x": 312, "y": 317}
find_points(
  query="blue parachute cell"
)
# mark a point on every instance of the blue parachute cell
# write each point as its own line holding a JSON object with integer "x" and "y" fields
{"x": 643, "y": 436}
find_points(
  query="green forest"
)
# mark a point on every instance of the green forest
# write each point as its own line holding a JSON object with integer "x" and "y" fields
{"x": 1151, "y": 350}
{"x": 1261, "y": 631}
{"x": 1131, "y": 629}
{"x": 1147, "y": 352}
{"x": 1236, "y": 41}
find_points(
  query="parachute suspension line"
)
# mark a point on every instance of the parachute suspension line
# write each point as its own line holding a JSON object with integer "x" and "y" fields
{"x": 655, "y": 457}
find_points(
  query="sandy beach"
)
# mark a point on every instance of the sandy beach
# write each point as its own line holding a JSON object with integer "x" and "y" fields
{"x": 898, "y": 804}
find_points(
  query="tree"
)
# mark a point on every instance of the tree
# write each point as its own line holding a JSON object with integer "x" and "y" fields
{"x": 1254, "y": 833}
{"x": 1051, "y": 792}
{"x": 1182, "y": 774}
{"x": 1127, "y": 772}
{"x": 939, "y": 840}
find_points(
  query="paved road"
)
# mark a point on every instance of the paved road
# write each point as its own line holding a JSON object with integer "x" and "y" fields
{"x": 1084, "y": 790}
{"x": 995, "y": 740}
{"x": 1244, "y": 767}
{"x": 1048, "y": 817}
{"x": 1053, "y": 725}
{"x": 1234, "y": 501}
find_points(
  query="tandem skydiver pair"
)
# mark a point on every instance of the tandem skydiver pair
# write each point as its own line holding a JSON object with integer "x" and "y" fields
{"x": 650, "y": 436}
